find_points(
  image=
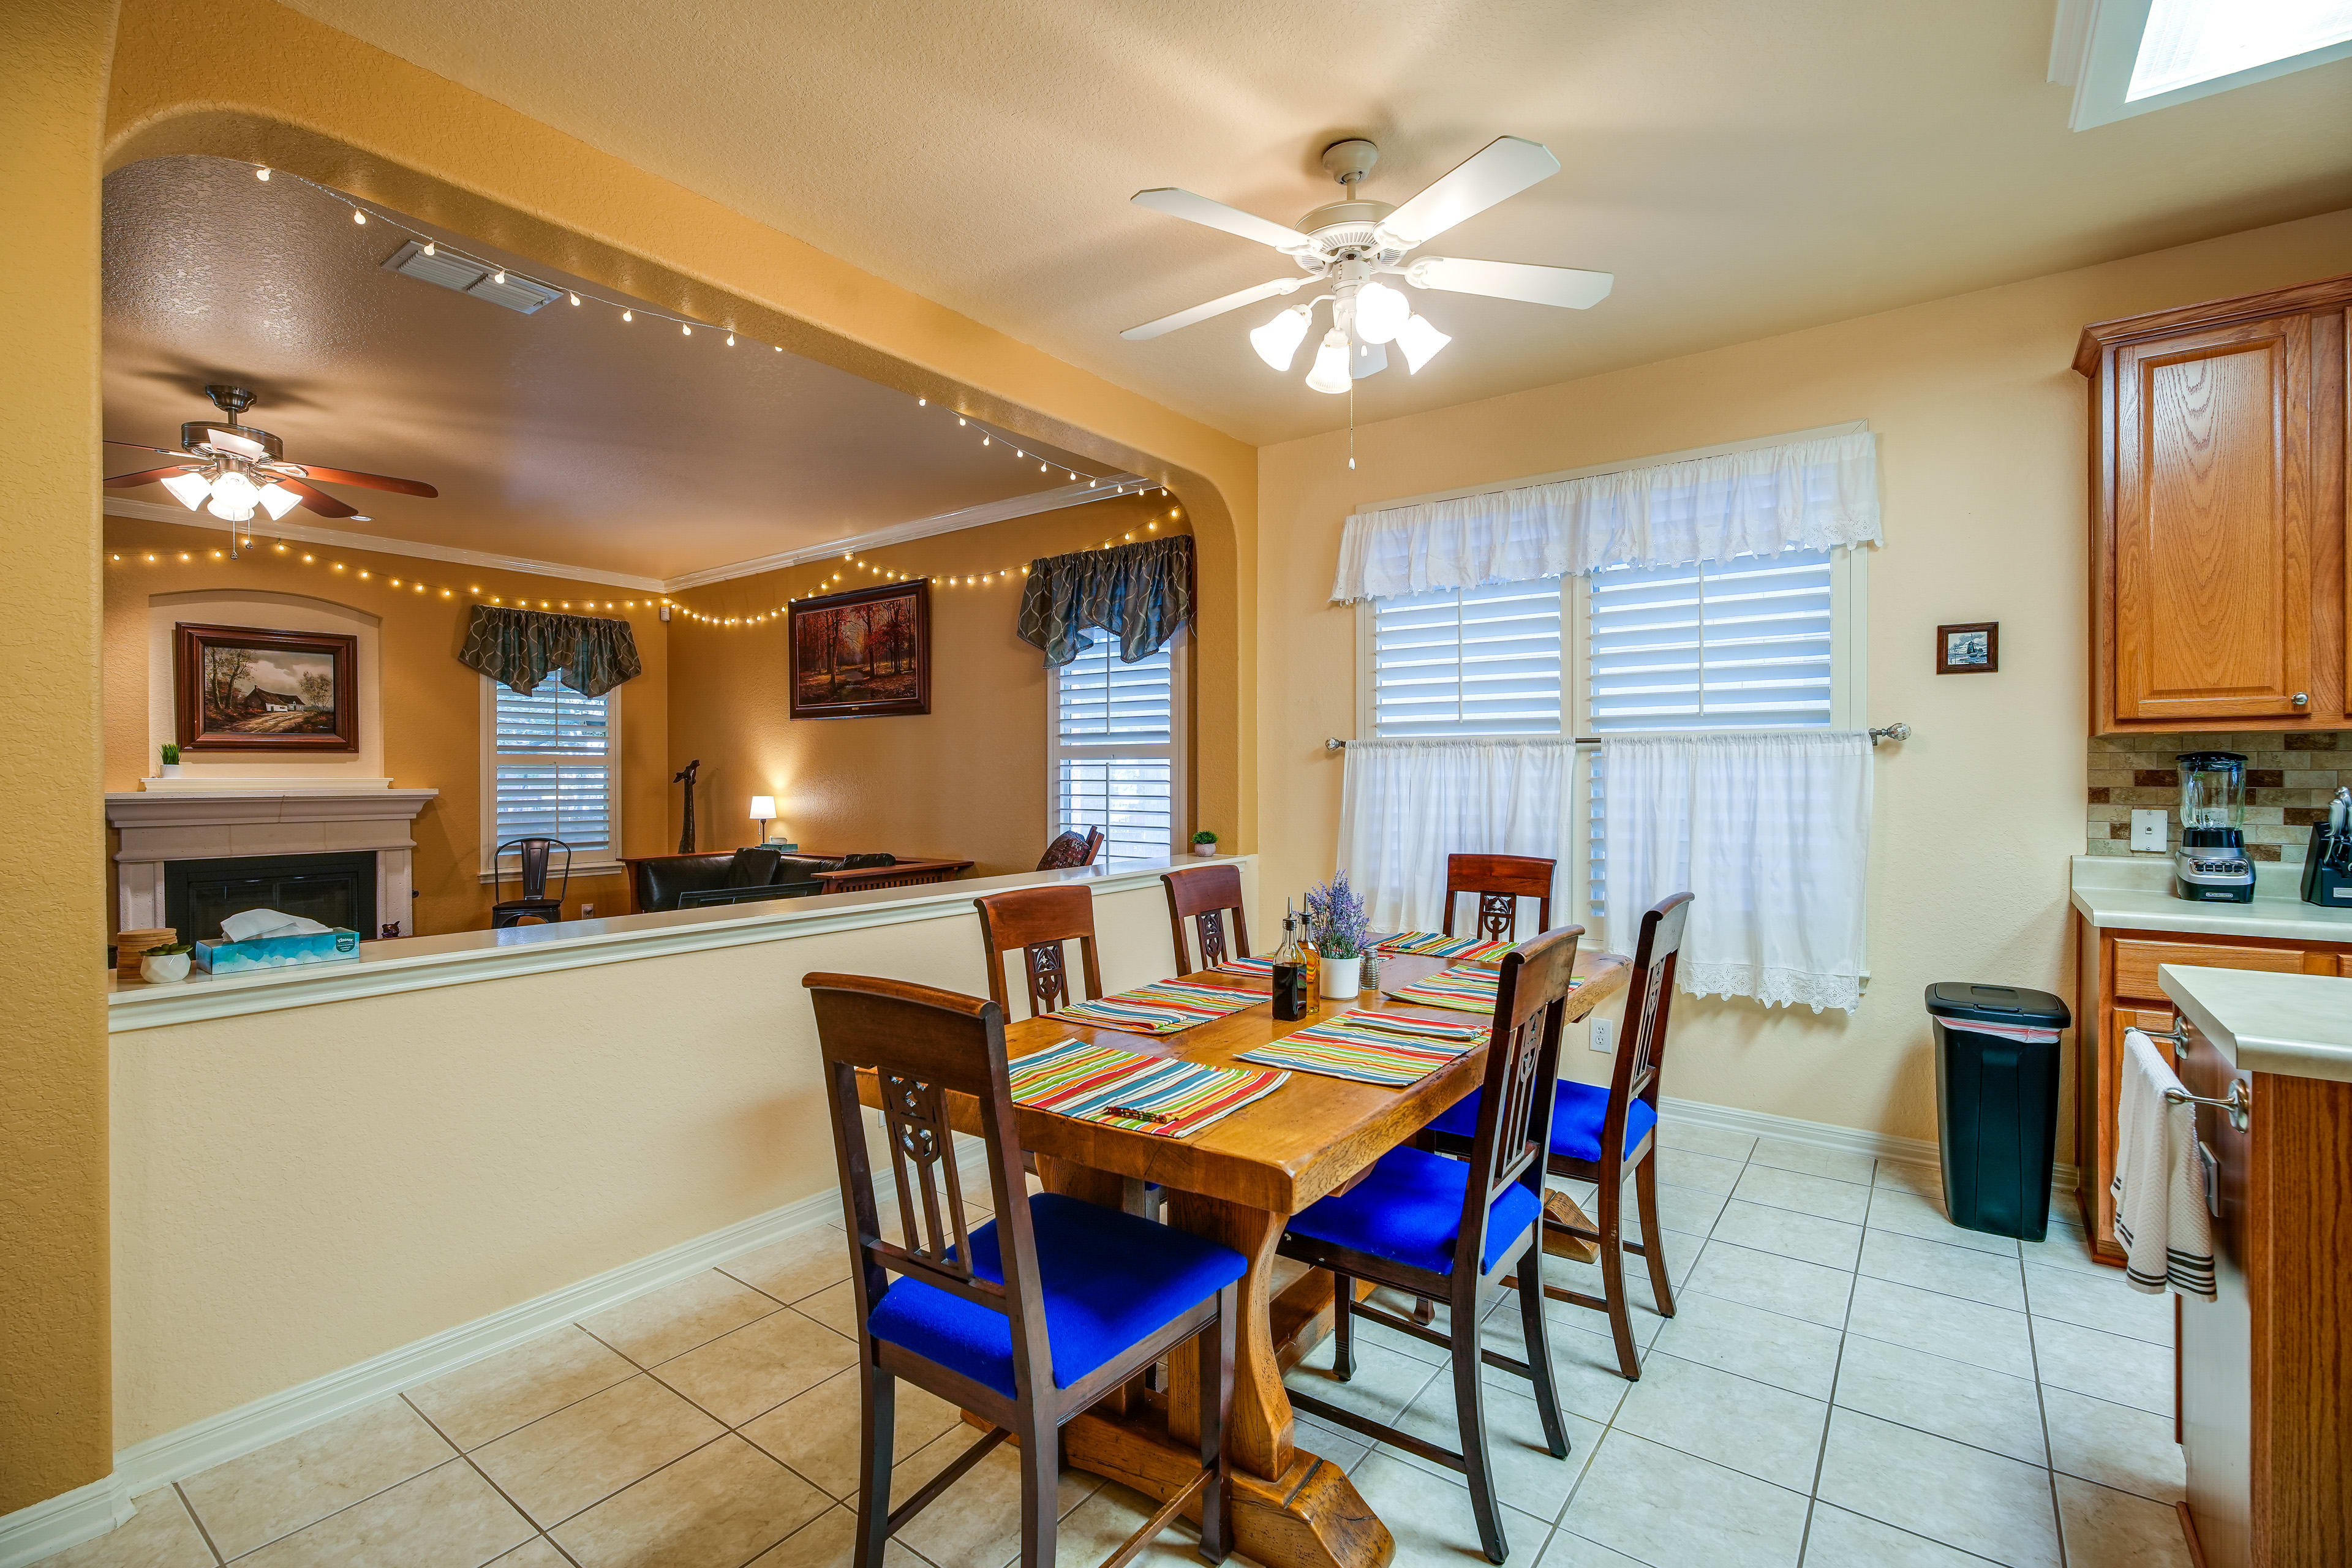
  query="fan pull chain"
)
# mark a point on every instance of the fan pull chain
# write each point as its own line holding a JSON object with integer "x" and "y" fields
{"x": 1351, "y": 425}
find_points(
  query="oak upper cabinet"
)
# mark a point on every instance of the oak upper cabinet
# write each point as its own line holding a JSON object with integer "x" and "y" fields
{"x": 2217, "y": 514}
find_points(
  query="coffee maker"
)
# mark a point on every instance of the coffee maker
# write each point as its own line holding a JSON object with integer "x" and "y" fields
{"x": 2212, "y": 866}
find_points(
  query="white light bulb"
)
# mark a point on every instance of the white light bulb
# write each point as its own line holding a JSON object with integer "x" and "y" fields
{"x": 1330, "y": 371}
{"x": 188, "y": 489}
{"x": 499, "y": 276}
{"x": 731, "y": 340}
{"x": 1278, "y": 342}
{"x": 685, "y": 331}
{"x": 277, "y": 501}
{"x": 628, "y": 315}
{"x": 262, "y": 175}
{"x": 429, "y": 249}
{"x": 359, "y": 217}
{"x": 1420, "y": 342}
{"x": 922, "y": 402}
{"x": 1380, "y": 313}
{"x": 233, "y": 497}
{"x": 575, "y": 299}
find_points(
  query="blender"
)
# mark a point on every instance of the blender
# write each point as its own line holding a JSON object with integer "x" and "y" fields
{"x": 2212, "y": 866}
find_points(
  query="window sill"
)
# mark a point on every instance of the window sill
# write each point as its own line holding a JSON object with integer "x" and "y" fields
{"x": 555, "y": 871}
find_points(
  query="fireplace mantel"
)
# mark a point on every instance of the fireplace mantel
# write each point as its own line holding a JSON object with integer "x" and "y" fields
{"x": 159, "y": 827}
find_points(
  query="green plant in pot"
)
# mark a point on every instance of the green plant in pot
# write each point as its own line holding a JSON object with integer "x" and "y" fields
{"x": 1204, "y": 842}
{"x": 165, "y": 965}
{"x": 171, "y": 755}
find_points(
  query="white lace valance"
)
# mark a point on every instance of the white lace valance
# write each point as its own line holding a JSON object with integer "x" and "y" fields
{"x": 1801, "y": 495}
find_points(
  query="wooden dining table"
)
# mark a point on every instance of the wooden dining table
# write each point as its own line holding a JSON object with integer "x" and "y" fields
{"x": 1239, "y": 1182}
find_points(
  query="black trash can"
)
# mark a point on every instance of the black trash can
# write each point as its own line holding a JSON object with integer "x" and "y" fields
{"x": 1997, "y": 1103}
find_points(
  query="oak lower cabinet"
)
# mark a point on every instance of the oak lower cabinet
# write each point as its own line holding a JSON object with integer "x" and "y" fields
{"x": 2120, "y": 992}
{"x": 2218, "y": 521}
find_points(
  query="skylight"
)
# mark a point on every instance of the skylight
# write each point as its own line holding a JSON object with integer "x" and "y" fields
{"x": 2189, "y": 41}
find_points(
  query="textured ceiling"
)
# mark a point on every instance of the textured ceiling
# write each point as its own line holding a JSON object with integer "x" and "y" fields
{"x": 1744, "y": 166}
{"x": 562, "y": 436}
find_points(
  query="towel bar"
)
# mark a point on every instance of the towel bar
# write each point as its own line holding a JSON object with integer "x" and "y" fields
{"x": 2238, "y": 1107}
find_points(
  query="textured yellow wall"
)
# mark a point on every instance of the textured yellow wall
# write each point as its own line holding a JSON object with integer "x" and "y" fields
{"x": 54, "y": 1370}
{"x": 1982, "y": 461}
{"x": 965, "y": 781}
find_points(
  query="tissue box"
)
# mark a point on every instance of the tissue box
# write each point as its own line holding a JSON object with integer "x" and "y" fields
{"x": 277, "y": 951}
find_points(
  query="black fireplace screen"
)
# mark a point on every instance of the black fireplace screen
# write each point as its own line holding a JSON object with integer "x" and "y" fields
{"x": 334, "y": 889}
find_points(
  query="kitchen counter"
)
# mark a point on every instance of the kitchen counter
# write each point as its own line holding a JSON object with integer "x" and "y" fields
{"x": 2298, "y": 1026}
{"x": 2114, "y": 893}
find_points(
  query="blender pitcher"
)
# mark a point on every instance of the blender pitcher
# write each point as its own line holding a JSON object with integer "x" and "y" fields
{"x": 2213, "y": 866}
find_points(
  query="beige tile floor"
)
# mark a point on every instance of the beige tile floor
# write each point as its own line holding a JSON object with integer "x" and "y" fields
{"x": 1849, "y": 1381}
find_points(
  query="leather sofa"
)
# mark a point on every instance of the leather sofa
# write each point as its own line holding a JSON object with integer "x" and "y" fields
{"x": 657, "y": 881}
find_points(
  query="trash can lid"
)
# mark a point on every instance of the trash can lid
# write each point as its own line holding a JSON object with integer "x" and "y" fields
{"x": 1967, "y": 1000}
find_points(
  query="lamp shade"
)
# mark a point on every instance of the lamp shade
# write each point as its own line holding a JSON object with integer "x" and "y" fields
{"x": 764, "y": 808}
{"x": 1276, "y": 342}
{"x": 1420, "y": 342}
{"x": 188, "y": 489}
{"x": 1330, "y": 371}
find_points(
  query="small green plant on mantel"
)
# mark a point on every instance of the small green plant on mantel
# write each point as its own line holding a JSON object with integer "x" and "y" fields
{"x": 171, "y": 755}
{"x": 1204, "y": 836}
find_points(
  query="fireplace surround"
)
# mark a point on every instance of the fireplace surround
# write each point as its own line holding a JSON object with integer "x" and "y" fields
{"x": 161, "y": 828}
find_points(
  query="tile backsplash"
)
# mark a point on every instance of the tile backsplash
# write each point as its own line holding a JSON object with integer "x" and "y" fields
{"x": 2289, "y": 779}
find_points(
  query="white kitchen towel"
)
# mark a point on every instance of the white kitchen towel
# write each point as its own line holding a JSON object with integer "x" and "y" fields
{"x": 2159, "y": 1186}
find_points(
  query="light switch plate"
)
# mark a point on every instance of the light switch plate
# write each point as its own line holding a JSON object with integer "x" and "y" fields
{"x": 2147, "y": 832}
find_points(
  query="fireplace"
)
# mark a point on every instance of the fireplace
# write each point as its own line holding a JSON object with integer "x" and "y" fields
{"x": 336, "y": 890}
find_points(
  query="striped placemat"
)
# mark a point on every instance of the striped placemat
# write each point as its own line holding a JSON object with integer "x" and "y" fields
{"x": 1163, "y": 1008}
{"x": 1437, "y": 945}
{"x": 1388, "y": 1049}
{"x": 1254, "y": 968}
{"x": 1127, "y": 1089}
{"x": 1464, "y": 990}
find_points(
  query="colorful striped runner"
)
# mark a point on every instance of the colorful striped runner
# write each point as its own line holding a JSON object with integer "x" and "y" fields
{"x": 1127, "y": 1089}
{"x": 1436, "y": 944}
{"x": 1388, "y": 1049}
{"x": 1164, "y": 1007}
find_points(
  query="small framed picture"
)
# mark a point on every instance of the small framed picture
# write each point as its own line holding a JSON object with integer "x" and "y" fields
{"x": 1971, "y": 649}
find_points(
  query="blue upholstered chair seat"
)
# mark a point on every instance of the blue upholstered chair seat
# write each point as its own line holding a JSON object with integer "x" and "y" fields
{"x": 1577, "y": 1114}
{"x": 1408, "y": 1209}
{"x": 1109, "y": 1280}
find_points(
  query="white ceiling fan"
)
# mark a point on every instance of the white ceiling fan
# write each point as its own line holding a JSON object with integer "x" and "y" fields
{"x": 1352, "y": 243}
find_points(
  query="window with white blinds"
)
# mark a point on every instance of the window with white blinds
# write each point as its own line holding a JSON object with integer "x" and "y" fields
{"x": 551, "y": 768}
{"x": 1466, "y": 661}
{"x": 1116, "y": 752}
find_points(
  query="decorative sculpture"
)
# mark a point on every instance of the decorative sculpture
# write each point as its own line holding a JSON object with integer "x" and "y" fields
{"x": 685, "y": 834}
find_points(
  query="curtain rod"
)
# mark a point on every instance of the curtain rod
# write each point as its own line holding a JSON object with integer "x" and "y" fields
{"x": 1896, "y": 732}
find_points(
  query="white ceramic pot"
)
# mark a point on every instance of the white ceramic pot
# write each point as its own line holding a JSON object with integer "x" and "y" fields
{"x": 171, "y": 770}
{"x": 163, "y": 968}
{"x": 1342, "y": 978}
{"x": 1204, "y": 849}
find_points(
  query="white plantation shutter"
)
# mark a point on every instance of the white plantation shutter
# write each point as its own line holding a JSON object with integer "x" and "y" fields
{"x": 1117, "y": 751}
{"x": 552, "y": 768}
{"x": 1467, "y": 661}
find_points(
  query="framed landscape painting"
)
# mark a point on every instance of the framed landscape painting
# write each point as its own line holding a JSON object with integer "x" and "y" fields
{"x": 862, "y": 655}
{"x": 245, "y": 688}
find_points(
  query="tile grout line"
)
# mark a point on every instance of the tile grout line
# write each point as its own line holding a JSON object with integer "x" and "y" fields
{"x": 521, "y": 1512}
{"x": 197, "y": 1519}
{"x": 331, "y": 1513}
{"x": 2050, "y": 1458}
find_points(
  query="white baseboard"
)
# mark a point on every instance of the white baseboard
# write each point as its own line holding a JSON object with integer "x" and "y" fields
{"x": 1825, "y": 1135}
{"x": 65, "y": 1519}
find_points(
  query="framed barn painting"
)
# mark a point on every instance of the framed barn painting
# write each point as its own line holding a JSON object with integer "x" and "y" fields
{"x": 245, "y": 688}
{"x": 862, "y": 655}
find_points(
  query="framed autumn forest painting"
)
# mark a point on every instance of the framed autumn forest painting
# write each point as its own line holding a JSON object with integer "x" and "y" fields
{"x": 862, "y": 655}
{"x": 244, "y": 688}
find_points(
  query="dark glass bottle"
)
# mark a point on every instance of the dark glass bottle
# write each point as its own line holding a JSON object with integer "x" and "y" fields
{"x": 1290, "y": 974}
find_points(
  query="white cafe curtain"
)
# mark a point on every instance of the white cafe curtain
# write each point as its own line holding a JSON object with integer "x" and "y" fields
{"x": 1799, "y": 495}
{"x": 1770, "y": 832}
{"x": 1407, "y": 804}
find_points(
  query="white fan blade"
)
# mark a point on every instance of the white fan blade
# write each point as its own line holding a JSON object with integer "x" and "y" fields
{"x": 1563, "y": 286}
{"x": 242, "y": 446}
{"x": 1497, "y": 171}
{"x": 1214, "y": 308}
{"x": 1216, "y": 215}
{"x": 1366, "y": 359}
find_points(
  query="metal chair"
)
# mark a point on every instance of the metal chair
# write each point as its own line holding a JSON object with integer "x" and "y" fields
{"x": 1500, "y": 881}
{"x": 1027, "y": 1320}
{"x": 1040, "y": 921}
{"x": 1438, "y": 1228}
{"x": 1205, "y": 895}
{"x": 531, "y": 856}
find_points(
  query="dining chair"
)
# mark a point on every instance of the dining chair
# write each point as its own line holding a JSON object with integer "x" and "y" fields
{"x": 1601, "y": 1135}
{"x": 1072, "y": 850}
{"x": 1205, "y": 895}
{"x": 1026, "y": 1320}
{"x": 532, "y": 857}
{"x": 1451, "y": 1229}
{"x": 1039, "y": 922}
{"x": 1500, "y": 881}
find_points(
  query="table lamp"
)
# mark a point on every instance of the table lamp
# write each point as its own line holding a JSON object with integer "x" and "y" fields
{"x": 763, "y": 812}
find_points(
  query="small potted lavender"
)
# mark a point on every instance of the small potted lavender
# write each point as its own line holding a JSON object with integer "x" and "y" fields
{"x": 1335, "y": 922}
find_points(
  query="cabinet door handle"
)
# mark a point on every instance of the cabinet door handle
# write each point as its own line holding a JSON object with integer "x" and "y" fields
{"x": 2301, "y": 699}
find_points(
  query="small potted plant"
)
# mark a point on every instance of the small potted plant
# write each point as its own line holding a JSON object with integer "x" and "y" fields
{"x": 1204, "y": 842}
{"x": 1335, "y": 922}
{"x": 171, "y": 761}
{"x": 165, "y": 965}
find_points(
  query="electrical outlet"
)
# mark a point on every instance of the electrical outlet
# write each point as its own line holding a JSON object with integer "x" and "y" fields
{"x": 587, "y": 912}
{"x": 1604, "y": 1036}
{"x": 2147, "y": 833}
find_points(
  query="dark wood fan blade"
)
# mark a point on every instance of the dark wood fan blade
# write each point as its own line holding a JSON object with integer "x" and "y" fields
{"x": 143, "y": 446}
{"x": 372, "y": 481}
{"x": 147, "y": 476}
{"x": 319, "y": 502}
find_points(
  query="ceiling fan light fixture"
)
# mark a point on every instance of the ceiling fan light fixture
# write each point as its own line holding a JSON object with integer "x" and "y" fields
{"x": 277, "y": 501}
{"x": 188, "y": 489}
{"x": 233, "y": 497}
{"x": 1278, "y": 342}
{"x": 1420, "y": 342}
{"x": 1330, "y": 371}
{"x": 1380, "y": 313}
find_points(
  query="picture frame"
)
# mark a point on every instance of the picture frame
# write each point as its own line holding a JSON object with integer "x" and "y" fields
{"x": 865, "y": 654}
{"x": 1971, "y": 647}
{"x": 252, "y": 689}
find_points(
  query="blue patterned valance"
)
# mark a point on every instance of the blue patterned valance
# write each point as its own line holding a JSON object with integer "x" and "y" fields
{"x": 519, "y": 648}
{"x": 1141, "y": 592}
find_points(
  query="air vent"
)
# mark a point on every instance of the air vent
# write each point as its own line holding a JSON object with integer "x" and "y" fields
{"x": 516, "y": 293}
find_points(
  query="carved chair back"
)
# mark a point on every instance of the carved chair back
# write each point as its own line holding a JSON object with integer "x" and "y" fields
{"x": 1642, "y": 1050}
{"x": 1206, "y": 895}
{"x": 1500, "y": 881}
{"x": 1038, "y": 922}
{"x": 1514, "y": 1106}
{"x": 1071, "y": 851}
{"x": 922, "y": 1045}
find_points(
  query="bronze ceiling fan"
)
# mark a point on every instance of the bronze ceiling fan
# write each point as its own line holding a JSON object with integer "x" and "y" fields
{"x": 238, "y": 469}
